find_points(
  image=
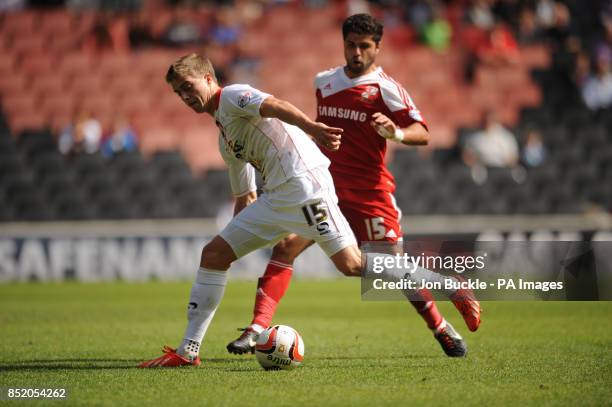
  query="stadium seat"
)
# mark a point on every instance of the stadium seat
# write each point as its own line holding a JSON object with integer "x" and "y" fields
{"x": 58, "y": 184}
{"x": 41, "y": 63}
{"x": 20, "y": 24}
{"x": 70, "y": 207}
{"x": 88, "y": 164}
{"x": 57, "y": 21}
{"x": 33, "y": 142}
{"x": 27, "y": 120}
{"x": 75, "y": 64}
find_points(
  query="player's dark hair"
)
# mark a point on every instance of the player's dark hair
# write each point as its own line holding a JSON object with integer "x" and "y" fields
{"x": 363, "y": 24}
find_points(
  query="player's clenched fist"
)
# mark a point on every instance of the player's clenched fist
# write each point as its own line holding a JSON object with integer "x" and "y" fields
{"x": 326, "y": 136}
{"x": 386, "y": 128}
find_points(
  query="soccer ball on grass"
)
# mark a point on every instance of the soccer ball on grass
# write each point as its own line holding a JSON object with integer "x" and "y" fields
{"x": 279, "y": 347}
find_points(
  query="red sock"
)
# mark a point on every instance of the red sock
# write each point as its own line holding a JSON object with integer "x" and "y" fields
{"x": 270, "y": 289}
{"x": 423, "y": 302}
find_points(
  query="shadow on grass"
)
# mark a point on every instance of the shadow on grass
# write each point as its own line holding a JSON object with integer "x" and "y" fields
{"x": 93, "y": 364}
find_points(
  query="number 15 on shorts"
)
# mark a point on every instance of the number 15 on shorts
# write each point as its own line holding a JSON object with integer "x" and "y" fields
{"x": 316, "y": 214}
{"x": 375, "y": 228}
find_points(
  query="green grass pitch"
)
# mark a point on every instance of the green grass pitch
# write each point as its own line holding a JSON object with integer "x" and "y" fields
{"x": 89, "y": 337}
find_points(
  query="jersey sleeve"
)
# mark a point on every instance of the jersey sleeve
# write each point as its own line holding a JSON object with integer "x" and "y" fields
{"x": 399, "y": 102}
{"x": 241, "y": 174}
{"x": 242, "y": 100}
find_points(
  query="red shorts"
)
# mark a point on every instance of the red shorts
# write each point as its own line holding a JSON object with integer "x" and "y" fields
{"x": 373, "y": 215}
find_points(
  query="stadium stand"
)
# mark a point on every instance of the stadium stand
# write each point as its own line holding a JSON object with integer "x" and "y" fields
{"x": 50, "y": 68}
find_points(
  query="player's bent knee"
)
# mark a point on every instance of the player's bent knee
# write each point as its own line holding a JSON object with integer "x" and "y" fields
{"x": 348, "y": 261}
{"x": 217, "y": 255}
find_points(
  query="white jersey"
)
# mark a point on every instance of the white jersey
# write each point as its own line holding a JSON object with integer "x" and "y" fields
{"x": 277, "y": 150}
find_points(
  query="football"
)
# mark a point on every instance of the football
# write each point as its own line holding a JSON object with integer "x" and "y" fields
{"x": 279, "y": 347}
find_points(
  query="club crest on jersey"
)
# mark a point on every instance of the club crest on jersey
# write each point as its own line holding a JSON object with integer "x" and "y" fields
{"x": 370, "y": 92}
{"x": 244, "y": 99}
{"x": 327, "y": 87}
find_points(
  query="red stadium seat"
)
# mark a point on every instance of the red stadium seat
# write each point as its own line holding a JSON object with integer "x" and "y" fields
{"x": 87, "y": 84}
{"x": 57, "y": 21}
{"x": 20, "y": 23}
{"x": 133, "y": 102}
{"x": 75, "y": 63}
{"x": 48, "y": 84}
{"x": 199, "y": 145}
{"x": 7, "y": 65}
{"x": 38, "y": 64}
{"x": 12, "y": 84}
{"x": 116, "y": 63}
{"x": 63, "y": 102}
{"x": 158, "y": 139}
{"x": 26, "y": 120}
{"x": 19, "y": 103}
{"x": 28, "y": 44}
{"x": 61, "y": 43}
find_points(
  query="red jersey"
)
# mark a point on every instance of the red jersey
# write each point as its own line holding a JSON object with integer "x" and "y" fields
{"x": 349, "y": 104}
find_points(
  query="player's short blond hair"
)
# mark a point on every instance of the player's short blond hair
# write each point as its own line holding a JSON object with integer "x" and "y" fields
{"x": 190, "y": 65}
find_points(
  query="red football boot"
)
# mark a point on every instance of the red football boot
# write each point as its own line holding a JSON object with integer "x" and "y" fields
{"x": 170, "y": 359}
{"x": 468, "y": 306}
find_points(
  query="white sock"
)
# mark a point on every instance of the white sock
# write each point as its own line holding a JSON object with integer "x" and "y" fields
{"x": 206, "y": 294}
{"x": 257, "y": 328}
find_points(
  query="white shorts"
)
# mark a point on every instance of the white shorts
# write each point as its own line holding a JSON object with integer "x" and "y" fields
{"x": 306, "y": 205}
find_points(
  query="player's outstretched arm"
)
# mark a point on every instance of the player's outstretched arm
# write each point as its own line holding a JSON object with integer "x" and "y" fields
{"x": 414, "y": 135}
{"x": 328, "y": 137}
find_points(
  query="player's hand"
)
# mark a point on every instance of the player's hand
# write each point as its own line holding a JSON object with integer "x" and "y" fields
{"x": 383, "y": 126}
{"x": 328, "y": 137}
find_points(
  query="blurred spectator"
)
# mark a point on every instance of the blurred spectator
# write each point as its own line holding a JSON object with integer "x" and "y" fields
{"x": 496, "y": 48}
{"x": 118, "y": 28}
{"x": 499, "y": 48}
{"x": 419, "y": 13}
{"x": 81, "y": 136}
{"x": 534, "y": 153}
{"x": 597, "y": 90}
{"x": 582, "y": 69}
{"x": 109, "y": 33}
{"x": 561, "y": 33}
{"x": 226, "y": 31}
{"x": 507, "y": 11}
{"x": 545, "y": 13}
{"x": 12, "y": 5}
{"x": 528, "y": 32}
{"x": 437, "y": 32}
{"x": 604, "y": 43}
{"x": 98, "y": 38}
{"x": 480, "y": 14}
{"x": 182, "y": 30}
{"x": 140, "y": 33}
{"x": 123, "y": 138}
{"x": 494, "y": 146}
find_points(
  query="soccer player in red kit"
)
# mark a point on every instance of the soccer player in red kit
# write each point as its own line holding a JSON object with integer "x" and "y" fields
{"x": 372, "y": 108}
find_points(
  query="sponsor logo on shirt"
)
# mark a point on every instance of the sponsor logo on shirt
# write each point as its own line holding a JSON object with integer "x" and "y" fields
{"x": 342, "y": 113}
{"x": 369, "y": 93}
{"x": 244, "y": 98}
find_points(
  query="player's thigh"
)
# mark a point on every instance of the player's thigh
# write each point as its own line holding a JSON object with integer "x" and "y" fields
{"x": 321, "y": 220}
{"x": 376, "y": 218}
{"x": 254, "y": 227}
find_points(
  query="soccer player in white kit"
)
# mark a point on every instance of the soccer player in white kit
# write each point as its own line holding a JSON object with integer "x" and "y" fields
{"x": 260, "y": 132}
